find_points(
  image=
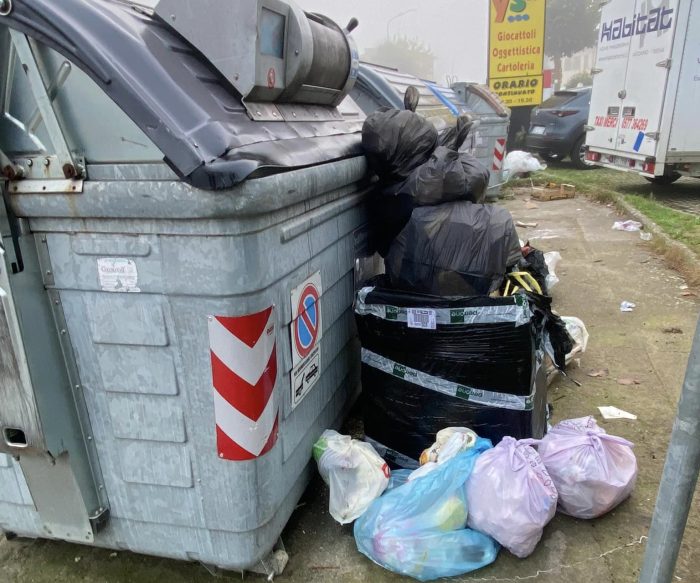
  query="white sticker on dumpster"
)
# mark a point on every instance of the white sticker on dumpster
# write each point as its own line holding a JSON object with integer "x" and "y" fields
{"x": 306, "y": 332}
{"x": 118, "y": 275}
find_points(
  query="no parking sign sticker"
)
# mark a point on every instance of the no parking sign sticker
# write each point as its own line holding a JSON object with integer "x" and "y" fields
{"x": 306, "y": 331}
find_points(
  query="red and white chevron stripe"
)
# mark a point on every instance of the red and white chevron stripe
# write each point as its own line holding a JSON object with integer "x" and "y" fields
{"x": 499, "y": 153}
{"x": 244, "y": 371}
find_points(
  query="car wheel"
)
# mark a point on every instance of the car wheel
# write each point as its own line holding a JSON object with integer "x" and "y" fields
{"x": 578, "y": 155}
{"x": 664, "y": 180}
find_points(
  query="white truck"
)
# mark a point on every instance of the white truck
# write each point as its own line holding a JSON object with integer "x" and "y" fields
{"x": 645, "y": 105}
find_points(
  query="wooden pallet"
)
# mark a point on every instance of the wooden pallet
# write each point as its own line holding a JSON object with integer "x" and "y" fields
{"x": 552, "y": 192}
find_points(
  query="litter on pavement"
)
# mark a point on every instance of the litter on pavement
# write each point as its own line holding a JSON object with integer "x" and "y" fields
{"x": 519, "y": 163}
{"x": 626, "y": 306}
{"x": 609, "y": 412}
{"x": 629, "y": 226}
{"x": 552, "y": 191}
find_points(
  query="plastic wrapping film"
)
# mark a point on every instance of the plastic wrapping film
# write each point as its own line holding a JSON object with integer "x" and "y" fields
{"x": 479, "y": 368}
{"x": 455, "y": 249}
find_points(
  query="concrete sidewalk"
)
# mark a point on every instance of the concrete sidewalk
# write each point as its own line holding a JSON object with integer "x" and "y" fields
{"x": 600, "y": 268}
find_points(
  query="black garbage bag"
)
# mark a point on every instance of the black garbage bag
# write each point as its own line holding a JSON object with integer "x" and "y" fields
{"x": 446, "y": 177}
{"x": 455, "y": 136}
{"x": 560, "y": 342}
{"x": 388, "y": 215}
{"x": 457, "y": 248}
{"x": 533, "y": 262}
{"x": 397, "y": 142}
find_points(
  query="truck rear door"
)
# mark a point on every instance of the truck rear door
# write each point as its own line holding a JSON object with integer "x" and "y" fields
{"x": 647, "y": 77}
{"x": 634, "y": 51}
{"x": 609, "y": 78}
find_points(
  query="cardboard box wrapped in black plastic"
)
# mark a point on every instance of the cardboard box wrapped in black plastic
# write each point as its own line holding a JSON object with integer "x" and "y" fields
{"x": 433, "y": 362}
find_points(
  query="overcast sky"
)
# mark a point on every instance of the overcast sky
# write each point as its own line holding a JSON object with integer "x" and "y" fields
{"x": 455, "y": 30}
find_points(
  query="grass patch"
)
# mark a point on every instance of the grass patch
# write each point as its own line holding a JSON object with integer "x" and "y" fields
{"x": 678, "y": 225}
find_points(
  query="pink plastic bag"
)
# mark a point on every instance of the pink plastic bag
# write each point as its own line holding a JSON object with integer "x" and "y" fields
{"x": 511, "y": 496}
{"x": 592, "y": 471}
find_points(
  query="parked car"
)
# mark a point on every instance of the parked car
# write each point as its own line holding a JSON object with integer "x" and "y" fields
{"x": 557, "y": 127}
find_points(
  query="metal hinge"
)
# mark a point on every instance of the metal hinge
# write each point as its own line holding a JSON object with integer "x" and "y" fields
{"x": 596, "y": 71}
{"x": 653, "y": 135}
{"x": 588, "y": 128}
{"x": 51, "y": 185}
{"x": 59, "y": 164}
{"x": 666, "y": 64}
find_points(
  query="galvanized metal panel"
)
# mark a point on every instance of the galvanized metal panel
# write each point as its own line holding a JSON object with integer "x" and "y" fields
{"x": 147, "y": 418}
{"x": 18, "y": 407}
{"x": 151, "y": 370}
{"x": 155, "y": 464}
{"x": 94, "y": 125}
{"x": 131, "y": 319}
{"x": 9, "y": 485}
{"x": 57, "y": 497}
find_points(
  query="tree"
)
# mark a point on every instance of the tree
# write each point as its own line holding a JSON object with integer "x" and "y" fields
{"x": 584, "y": 79}
{"x": 408, "y": 55}
{"x": 571, "y": 26}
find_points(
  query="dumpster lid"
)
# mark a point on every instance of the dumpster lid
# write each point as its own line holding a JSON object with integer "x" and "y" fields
{"x": 185, "y": 106}
{"x": 480, "y": 98}
{"x": 448, "y": 96}
{"x": 389, "y": 86}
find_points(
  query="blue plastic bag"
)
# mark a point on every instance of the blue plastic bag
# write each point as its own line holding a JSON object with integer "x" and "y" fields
{"x": 419, "y": 528}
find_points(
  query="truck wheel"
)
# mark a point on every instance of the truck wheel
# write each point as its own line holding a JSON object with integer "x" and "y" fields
{"x": 578, "y": 155}
{"x": 664, "y": 180}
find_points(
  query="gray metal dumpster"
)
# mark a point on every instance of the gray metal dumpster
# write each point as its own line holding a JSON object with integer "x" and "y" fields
{"x": 176, "y": 276}
{"x": 488, "y": 139}
{"x": 379, "y": 86}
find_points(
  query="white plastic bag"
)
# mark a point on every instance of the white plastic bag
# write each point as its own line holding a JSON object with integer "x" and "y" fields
{"x": 519, "y": 162}
{"x": 552, "y": 259}
{"x": 353, "y": 470}
{"x": 449, "y": 443}
{"x": 510, "y": 496}
{"x": 592, "y": 471}
{"x": 577, "y": 330}
{"x": 629, "y": 226}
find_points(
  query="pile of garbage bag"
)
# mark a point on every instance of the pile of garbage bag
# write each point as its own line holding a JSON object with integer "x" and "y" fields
{"x": 468, "y": 498}
{"x": 459, "y": 338}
